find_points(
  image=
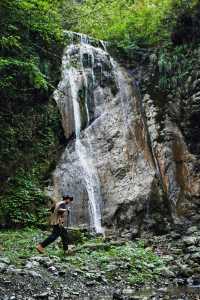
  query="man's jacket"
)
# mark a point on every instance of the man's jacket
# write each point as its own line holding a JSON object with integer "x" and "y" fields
{"x": 58, "y": 217}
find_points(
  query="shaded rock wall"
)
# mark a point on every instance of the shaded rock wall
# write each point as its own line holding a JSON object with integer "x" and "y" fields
{"x": 175, "y": 162}
{"x": 172, "y": 117}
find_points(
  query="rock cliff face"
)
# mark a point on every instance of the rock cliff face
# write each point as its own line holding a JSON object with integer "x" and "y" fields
{"x": 127, "y": 162}
{"x": 175, "y": 161}
{"x": 175, "y": 143}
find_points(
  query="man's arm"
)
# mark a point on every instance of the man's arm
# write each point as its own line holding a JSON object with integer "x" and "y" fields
{"x": 62, "y": 208}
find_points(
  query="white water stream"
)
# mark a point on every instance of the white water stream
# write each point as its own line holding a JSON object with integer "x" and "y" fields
{"x": 88, "y": 169}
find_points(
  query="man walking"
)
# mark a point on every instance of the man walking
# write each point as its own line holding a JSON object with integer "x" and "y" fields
{"x": 60, "y": 221}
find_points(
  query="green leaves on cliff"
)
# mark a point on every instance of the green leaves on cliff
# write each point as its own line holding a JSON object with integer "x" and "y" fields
{"x": 130, "y": 22}
{"x": 175, "y": 66}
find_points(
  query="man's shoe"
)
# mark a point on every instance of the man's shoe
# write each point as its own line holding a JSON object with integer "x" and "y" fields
{"x": 39, "y": 248}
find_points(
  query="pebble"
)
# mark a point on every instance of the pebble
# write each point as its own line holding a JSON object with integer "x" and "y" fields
{"x": 34, "y": 274}
{"x": 53, "y": 270}
{"x": 195, "y": 256}
{"x": 192, "y": 230}
{"x": 32, "y": 265}
{"x": 3, "y": 267}
{"x": 5, "y": 260}
{"x": 190, "y": 240}
{"x": 44, "y": 295}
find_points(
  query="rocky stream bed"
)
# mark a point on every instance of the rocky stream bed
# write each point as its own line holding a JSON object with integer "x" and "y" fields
{"x": 152, "y": 267}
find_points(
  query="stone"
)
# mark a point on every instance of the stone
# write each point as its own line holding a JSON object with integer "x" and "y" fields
{"x": 195, "y": 256}
{"x": 31, "y": 265}
{"x": 128, "y": 292}
{"x": 168, "y": 258}
{"x": 175, "y": 235}
{"x": 34, "y": 274}
{"x": 91, "y": 283}
{"x": 192, "y": 249}
{"x": 75, "y": 293}
{"x": 166, "y": 272}
{"x": 190, "y": 240}
{"x": 66, "y": 295}
{"x": 111, "y": 267}
{"x": 118, "y": 295}
{"x": 113, "y": 142}
{"x": 3, "y": 267}
{"x": 4, "y": 260}
{"x": 195, "y": 281}
{"x": 185, "y": 270}
{"x": 44, "y": 295}
{"x": 192, "y": 230}
{"x": 53, "y": 270}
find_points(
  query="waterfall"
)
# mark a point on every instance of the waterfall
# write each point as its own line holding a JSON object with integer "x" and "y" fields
{"x": 88, "y": 170}
{"x": 77, "y": 78}
{"x": 98, "y": 106}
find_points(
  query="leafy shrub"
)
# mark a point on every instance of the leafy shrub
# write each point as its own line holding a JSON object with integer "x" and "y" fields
{"x": 173, "y": 65}
{"x": 24, "y": 202}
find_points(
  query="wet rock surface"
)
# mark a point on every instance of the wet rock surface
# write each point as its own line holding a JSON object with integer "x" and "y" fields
{"x": 110, "y": 127}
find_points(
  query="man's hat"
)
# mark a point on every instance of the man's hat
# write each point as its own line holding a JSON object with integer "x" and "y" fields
{"x": 67, "y": 196}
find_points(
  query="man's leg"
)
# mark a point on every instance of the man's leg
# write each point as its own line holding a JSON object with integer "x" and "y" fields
{"x": 51, "y": 238}
{"x": 64, "y": 237}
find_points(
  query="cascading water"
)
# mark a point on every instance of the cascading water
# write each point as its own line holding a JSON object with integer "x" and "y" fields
{"x": 88, "y": 170}
{"x": 78, "y": 78}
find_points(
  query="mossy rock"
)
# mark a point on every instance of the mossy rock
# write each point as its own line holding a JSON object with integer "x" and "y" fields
{"x": 75, "y": 236}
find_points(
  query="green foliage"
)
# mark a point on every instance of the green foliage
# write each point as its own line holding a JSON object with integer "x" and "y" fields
{"x": 29, "y": 33}
{"x": 24, "y": 202}
{"x": 129, "y": 23}
{"x": 31, "y": 44}
{"x": 30, "y": 142}
{"x": 123, "y": 22}
{"x": 173, "y": 66}
{"x": 27, "y": 70}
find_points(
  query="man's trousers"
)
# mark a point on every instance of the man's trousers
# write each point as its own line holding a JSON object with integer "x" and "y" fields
{"x": 58, "y": 231}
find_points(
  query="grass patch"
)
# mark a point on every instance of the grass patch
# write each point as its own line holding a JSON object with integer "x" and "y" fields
{"x": 131, "y": 262}
{"x": 18, "y": 245}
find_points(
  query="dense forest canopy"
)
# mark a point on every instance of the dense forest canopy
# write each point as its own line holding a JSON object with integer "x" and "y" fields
{"x": 131, "y": 22}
